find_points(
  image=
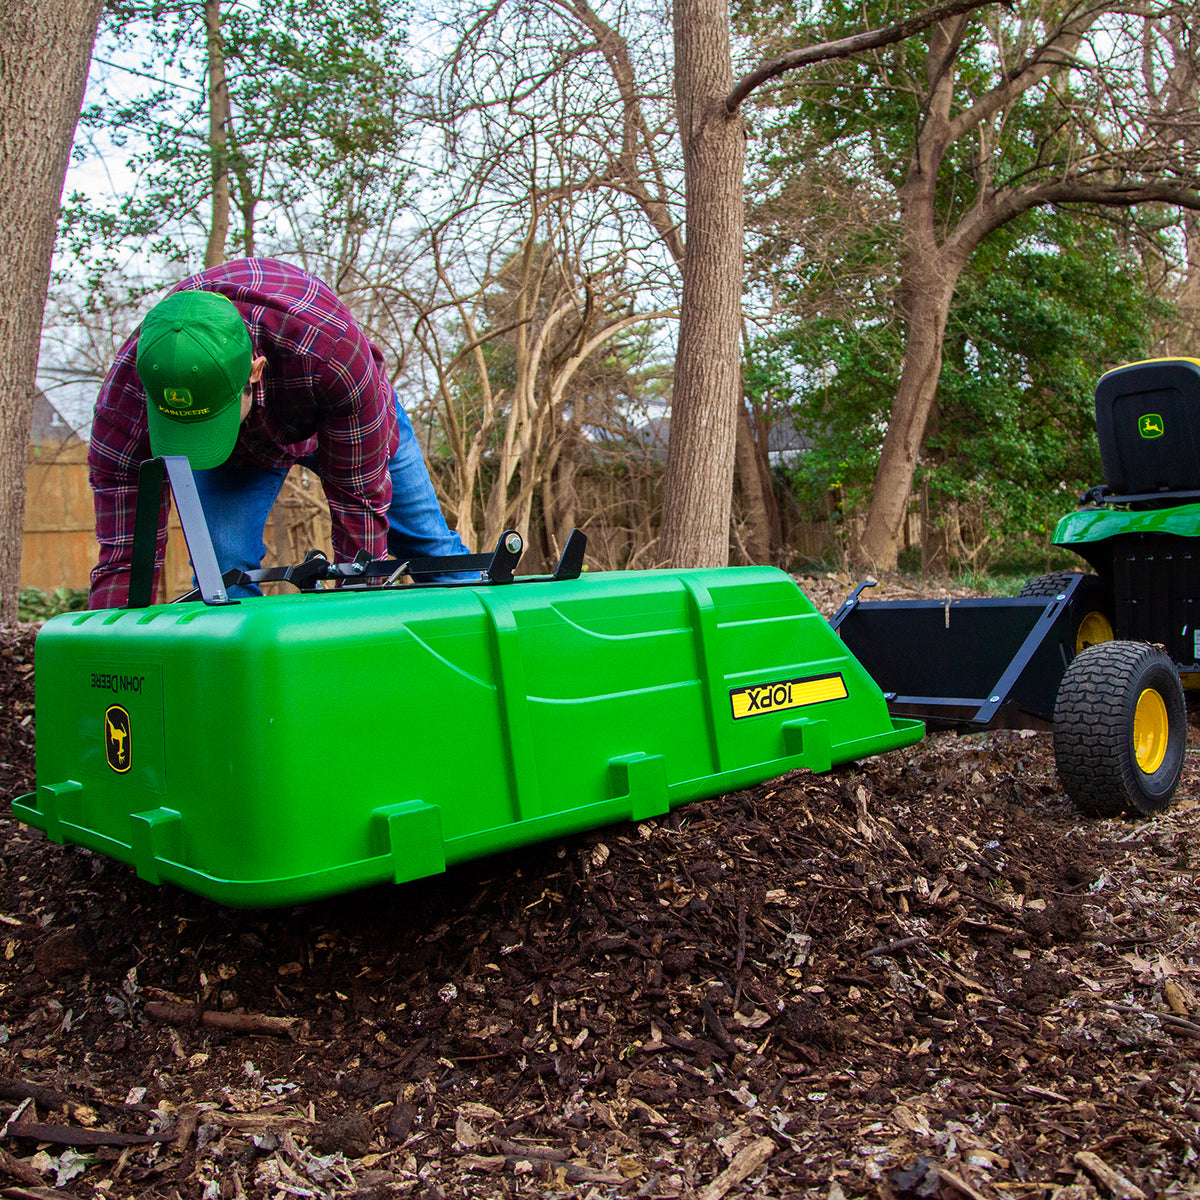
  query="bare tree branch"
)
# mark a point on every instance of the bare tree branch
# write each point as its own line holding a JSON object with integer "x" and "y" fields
{"x": 1057, "y": 52}
{"x": 845, "y": 47}
{"x": 636, "y": 138}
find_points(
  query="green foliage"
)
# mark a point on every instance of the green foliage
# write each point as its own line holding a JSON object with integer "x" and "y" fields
{"x": 855, "y": 120}
{"x": 35, "y": 605}
{"x": 1025, "y": 558}
{"x": 992, "y": 583}
{"x": 1004, "y": 577}
{"x": 838, "y": 379}
{"x": 1042, "y": 311}
{"x": 1046, "y": 303}
{"x": 317, "y": 123}
{"x": 1034, "y": 325}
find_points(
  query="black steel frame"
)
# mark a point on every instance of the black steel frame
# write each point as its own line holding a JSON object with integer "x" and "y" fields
{"x": 363, "y": 573}
{"x": 968, "y": 664}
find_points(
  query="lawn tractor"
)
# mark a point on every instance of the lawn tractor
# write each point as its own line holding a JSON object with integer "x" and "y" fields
{"x": 359, "y": 729}
{"x": 1099, "y": 657}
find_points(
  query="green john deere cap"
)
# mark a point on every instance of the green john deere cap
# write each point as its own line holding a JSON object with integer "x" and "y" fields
{"x": 193, "y": 358}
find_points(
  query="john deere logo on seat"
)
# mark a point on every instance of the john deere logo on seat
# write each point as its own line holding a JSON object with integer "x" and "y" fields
{"x": 117, "y": 747}
{"x": 1150, "y": 425}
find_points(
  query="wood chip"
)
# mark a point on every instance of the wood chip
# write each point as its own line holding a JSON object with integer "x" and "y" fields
{"x": 70, "y": 1135}
{"x": 1175, "y": 998}
{"x": 37, "y": 1193}
{"x": 188, "y": 1014}
{"x": 745, "y": 1163}
{"x": 18, "y": 1168}
{"x": 254, "y": 1122}
{"x": 957, "y": 1181}
{"x": 491, "y": 1164}
{"x": 1117, "y": 1184}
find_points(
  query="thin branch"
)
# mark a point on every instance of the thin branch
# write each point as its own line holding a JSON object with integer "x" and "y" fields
{"x": 845, "y": 47}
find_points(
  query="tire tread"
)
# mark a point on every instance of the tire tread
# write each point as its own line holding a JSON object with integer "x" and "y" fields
{"x": 1092, "y": 746}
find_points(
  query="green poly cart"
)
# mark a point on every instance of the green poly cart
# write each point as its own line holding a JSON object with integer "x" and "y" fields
{"x": 277, "y": 749}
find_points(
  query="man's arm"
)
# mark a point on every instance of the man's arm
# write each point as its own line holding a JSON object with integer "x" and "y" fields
{"x": 116, "y": 501}
{"x": 357, "y": 438}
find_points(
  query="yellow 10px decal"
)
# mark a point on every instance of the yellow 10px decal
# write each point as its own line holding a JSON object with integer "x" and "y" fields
{"x": 787, "y": 693}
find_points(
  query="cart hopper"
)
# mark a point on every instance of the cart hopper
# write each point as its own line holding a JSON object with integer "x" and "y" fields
{"x": 283, "y": 748}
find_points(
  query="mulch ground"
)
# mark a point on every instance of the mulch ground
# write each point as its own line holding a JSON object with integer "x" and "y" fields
{"x": 923, "y": 976}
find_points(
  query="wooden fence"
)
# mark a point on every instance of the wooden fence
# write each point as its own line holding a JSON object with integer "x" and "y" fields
{"x": 60, "y": 545}
{"x": 60, "y": 548}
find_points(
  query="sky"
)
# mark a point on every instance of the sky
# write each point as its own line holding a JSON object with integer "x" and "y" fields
{"x": 100, "y": 172}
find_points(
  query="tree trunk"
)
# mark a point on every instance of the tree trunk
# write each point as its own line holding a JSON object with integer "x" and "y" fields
{"x": 247, "y": 199}
{"x": 218, "y": 136}
{"x": 761, "y": 421}
{"x": 560, "y": 467}
{"x": 928, "y": 311}
{"x": 45, "y": 51}
{"x": 1189, "y": 292}
{"x": 927, "y": 277}
{"x": 754, "y": 496}
{"x": 699, "y": 476}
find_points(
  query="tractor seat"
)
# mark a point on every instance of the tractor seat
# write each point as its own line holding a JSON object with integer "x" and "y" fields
{"x": 1148, "y": 425}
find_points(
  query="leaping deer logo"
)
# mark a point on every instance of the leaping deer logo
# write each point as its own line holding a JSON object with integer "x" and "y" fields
{"x": 1150, "y": 425}
{"x": 117, "y": 747}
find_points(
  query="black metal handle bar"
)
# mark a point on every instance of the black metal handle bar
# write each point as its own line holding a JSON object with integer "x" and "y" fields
{"x": 307, "y": 576}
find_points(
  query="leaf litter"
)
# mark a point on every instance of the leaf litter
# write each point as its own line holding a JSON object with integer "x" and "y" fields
{"x": 923, "y": 975}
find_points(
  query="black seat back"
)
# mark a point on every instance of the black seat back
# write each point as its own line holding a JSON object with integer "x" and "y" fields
{"x": 1148, "y": 424}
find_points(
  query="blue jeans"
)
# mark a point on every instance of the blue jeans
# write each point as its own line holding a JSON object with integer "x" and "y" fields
{"x": 237, "y": 501}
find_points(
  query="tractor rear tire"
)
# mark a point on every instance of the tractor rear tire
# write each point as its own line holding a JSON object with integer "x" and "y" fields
{"x": 1120, "y": 729}
{"x": 1091, "y": 605}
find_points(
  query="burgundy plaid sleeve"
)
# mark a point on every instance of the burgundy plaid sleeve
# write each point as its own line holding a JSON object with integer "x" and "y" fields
{"x": 357, "y": 438}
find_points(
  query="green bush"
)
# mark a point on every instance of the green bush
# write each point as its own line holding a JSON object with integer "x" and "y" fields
{"x": 1033, "y": 556}
{"x": 991, "y": 583}
{"x": 35, "y": 605}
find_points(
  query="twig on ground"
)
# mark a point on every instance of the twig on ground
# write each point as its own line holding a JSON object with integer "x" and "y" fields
{"x": 745, "y": 1163}
{"x": 1188, "y": 1027}
{"x": 1114, "y": 1181}
{"x": 179, "y": 1013}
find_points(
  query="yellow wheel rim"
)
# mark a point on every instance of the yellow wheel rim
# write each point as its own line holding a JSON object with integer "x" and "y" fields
{"x": 1093, "y": 629}
{"x": 1150, "y": 731}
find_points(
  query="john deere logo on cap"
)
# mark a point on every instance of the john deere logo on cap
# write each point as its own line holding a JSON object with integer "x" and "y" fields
{"x": 1150, "y": 425}
{"x": 117, "y": 742}
{"x": 177, "y": 397}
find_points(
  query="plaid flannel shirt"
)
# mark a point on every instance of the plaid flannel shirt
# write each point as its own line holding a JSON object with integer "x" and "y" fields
{"x": 323, "y": 389}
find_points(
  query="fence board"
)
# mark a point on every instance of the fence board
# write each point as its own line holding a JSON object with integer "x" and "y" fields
{"x": 60, "y": 546}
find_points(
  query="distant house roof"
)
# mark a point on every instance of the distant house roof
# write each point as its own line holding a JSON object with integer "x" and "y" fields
{"x": 49, "y": 425}
{"x": 785, "y": 443}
